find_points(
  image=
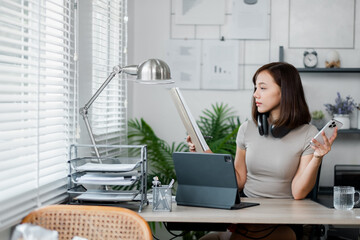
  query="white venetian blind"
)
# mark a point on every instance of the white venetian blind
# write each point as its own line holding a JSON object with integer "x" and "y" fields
{"x": 37, "y": 99}
{"x": 108, "y": 113}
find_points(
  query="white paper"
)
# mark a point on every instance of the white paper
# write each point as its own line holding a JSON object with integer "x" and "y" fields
{"x": 107, "y": 167}
{"x": 184, "y": 59}
{"x": 324, "y": 24}
{"x": 200, "y": 12}
{"x": 220, "y": 69}
{"x": 106, "y": 179}
{"x": 105, "y": 197}
{"x": 248, "y": 21}
{"x": 108, "y": 176}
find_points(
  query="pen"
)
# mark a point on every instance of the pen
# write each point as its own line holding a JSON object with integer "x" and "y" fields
{"x": 171, "y": 184}
{"x": 169, "y": 187}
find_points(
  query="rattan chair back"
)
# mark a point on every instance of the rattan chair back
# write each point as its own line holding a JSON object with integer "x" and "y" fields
{"x": 91, "y": 222}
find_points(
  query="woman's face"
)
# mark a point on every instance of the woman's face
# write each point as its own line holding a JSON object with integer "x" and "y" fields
{"x": 267, "y": 94}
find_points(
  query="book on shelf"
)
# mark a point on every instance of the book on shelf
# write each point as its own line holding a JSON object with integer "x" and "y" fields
{"x": 188, "y": 120}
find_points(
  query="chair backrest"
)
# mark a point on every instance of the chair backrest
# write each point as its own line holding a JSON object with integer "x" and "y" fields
{"x": 91, "y": 222}
{"x": 347, "y": 175}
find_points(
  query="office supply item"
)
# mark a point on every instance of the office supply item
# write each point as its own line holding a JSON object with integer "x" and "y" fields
{"x": 188, "y": 120}
{"x": 94, "y": 167}
{"x": 207, "y": 180}
{"x": 92, "y": 182}
{"x": 107, "y": 196}
{"x": 91, "y": 222}
{"x": 171, "y": 184}
{"x": 162, "y": 198}
{"x": 152, "y": 71}
{"x": 105, "y": 178}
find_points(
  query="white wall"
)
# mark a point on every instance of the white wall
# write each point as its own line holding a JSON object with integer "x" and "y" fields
{"x": 5, "y": 235}
{"x": 150, "y": 30}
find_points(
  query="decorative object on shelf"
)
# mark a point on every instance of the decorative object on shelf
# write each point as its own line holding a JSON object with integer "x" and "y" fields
{"x": 310, "y": 58}
{"x": 317, "y": 119}
{"x": 152, "y": 71}
{"x": 332, "y": 59}
{"x": 344, "y": 118}
{"x": 341, "y": 109}
{"x": 281, "y": 53}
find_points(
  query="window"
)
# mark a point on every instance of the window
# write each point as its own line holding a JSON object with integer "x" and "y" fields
{"x": 108, "y": 48}
{"x": 39, "y": 94}
{"x": 37, "y": 104}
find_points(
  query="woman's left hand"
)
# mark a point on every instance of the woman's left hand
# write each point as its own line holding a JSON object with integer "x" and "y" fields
{"x": 322, "y": 149}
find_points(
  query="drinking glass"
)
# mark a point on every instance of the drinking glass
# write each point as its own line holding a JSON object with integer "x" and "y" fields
{"x": 344, "y": 197}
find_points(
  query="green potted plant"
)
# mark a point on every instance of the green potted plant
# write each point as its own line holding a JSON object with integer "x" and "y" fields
{"x": 317, "y": 119}
{"x": 341, "y": 109}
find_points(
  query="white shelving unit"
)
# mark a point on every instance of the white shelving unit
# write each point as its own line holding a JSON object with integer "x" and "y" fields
{"x": 97, "y": 181}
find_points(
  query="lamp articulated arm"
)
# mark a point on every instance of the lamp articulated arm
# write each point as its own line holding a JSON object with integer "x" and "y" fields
{"x": 132, "y": 70}
{"x": 151, "y": 71}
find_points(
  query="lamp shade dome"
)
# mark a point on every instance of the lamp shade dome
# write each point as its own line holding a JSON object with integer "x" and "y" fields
{"x": 154, "y": 71}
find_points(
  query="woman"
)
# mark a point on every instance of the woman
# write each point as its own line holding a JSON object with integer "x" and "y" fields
{"x": 274, "y": 158}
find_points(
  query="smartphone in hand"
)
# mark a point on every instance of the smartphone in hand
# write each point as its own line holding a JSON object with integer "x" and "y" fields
{"x": 329, "y": 129}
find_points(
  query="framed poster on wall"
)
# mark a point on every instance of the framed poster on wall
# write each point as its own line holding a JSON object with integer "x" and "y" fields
{"x": 220, "y": 65}
{"x": 208, "y": 12}
{"x": 321, "y": 24}
{"x": 248, "y": 21}
{"x": 184, "y": 59}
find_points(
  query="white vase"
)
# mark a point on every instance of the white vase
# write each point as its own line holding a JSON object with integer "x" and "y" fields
{"x": 344, "y": 118}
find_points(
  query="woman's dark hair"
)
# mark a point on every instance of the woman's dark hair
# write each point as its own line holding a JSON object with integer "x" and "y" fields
{"x": 294, "y": 110}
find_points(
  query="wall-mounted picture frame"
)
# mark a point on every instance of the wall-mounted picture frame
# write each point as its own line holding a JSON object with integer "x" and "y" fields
{"x": 193, "y": 12}
{"x": 321, "y": 24}
{"x": 220, "y": 65}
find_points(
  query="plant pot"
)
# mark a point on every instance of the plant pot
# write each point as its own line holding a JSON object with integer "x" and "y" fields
{"x": 318, "y": 123}
{"x": 344, "y": 118}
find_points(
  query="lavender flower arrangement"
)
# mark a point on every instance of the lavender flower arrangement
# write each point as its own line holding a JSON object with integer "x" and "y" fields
{"x": 342, "y": 106}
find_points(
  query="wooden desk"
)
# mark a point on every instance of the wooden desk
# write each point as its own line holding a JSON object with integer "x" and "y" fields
{"x": 270, "y": 211}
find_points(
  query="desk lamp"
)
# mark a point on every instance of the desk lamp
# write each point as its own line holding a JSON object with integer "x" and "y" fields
{"x": 152, "y": 71}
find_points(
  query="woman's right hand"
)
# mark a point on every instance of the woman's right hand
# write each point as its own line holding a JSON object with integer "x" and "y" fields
{"x": 190, "y": 144}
